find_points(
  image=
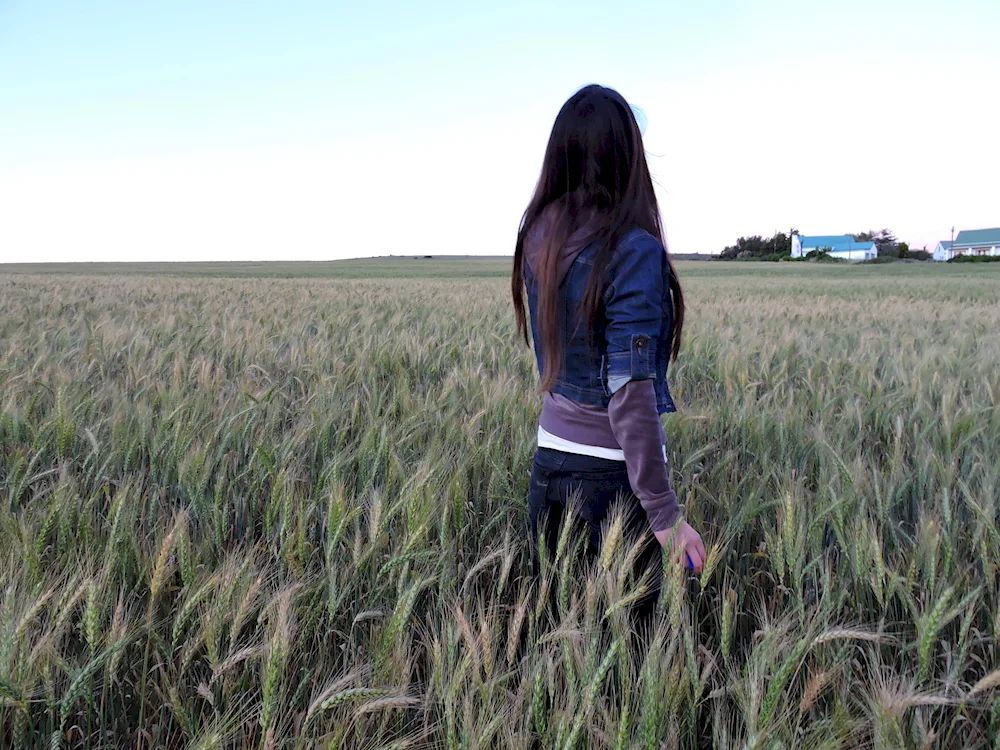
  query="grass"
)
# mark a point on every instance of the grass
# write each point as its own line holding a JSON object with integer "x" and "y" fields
{"x": 410, "y": 267}
{"x": 241, "y": 512}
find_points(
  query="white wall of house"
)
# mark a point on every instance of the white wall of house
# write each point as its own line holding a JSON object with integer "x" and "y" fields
{"x": 868, "y": 253}
{"x": 991, "y": 250}
{"x": 858, "y": 253}
{"x": 796, "y": 246}
{"x": 941, "y": 253}
{"x": 980, "y": 250}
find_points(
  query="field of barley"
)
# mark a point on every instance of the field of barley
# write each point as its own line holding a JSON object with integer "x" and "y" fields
{"x": 290, "y": 512}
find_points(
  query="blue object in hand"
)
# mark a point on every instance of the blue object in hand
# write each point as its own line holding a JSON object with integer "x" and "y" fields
{"x": 690, "y": 562}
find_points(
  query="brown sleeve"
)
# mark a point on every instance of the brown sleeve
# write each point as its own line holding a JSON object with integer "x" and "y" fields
{"x": 639, "y": 432}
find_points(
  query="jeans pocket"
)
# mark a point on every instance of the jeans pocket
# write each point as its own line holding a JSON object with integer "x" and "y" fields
{"x": 548, "y": 460}
{"x": 538, "y": 490}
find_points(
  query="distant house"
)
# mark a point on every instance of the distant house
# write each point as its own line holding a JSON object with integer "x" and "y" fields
{"x": 943, "y": 251}
{"x": 842, "y": 246}
{"x": 970, "y": 242}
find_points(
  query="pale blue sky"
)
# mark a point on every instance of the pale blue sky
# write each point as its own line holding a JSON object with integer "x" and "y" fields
{"x": 231, "y": 130}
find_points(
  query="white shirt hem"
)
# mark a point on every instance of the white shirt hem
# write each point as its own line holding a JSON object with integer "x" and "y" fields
{"x": 548, "y": 440}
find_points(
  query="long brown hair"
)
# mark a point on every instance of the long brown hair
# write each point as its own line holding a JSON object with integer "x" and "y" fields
{"x": 594, "y": 172}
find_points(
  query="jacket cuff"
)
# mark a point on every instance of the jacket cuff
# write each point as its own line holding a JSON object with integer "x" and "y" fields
{"x": 638, "y": 362}
{"x": 664, "y": 515}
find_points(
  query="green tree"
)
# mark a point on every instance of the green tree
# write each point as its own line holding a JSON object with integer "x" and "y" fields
{"x": 751, "y": 248}
{"x": 884, "y": 240}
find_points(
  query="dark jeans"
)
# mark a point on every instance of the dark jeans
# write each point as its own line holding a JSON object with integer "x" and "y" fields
{"x": 596, "y": 484}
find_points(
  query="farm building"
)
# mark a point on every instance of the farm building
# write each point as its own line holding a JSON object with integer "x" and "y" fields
{"x": 842, "y": 246}
{"x": 970, "y": 242}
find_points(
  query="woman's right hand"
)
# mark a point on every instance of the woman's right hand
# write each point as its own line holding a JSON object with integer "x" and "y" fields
{"x": 685, "y": 543}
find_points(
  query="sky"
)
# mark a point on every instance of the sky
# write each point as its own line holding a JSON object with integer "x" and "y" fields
{"x": 134, "y": 131}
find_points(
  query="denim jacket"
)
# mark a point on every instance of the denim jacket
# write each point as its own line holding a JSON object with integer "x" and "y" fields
{"x": 631, "y": 338}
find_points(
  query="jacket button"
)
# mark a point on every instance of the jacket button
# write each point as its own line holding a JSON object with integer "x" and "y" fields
{"x": 640, "y": 343}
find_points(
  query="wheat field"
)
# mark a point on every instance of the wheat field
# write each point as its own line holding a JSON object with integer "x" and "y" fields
{"x": 268, "y": 513}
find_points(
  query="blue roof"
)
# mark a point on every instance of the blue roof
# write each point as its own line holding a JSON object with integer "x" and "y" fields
{"x": 836, "y": 242}
{"x": 946, "y": 244}
{"x": 972, "y": 237}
